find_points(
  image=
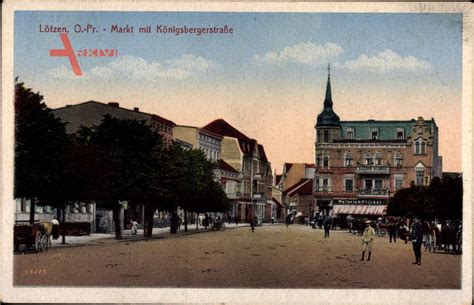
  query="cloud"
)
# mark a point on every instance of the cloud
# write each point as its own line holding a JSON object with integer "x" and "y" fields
{"x": 386, "y": 61}
{"x": 306, "y": 53}
{"x": 61, "y": 72}
{"x": 136, "y": 68}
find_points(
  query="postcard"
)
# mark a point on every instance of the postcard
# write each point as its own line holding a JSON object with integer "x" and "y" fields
{"x": 215, "y": 152}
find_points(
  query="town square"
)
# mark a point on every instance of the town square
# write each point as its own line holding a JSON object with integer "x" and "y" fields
{"x": 273, "y": 256}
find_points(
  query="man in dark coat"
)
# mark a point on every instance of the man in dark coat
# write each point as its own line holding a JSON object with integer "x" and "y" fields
{"x": 392, "y": 231}
{"x": 327, "y": 226}
{"x": 417, "y": 239}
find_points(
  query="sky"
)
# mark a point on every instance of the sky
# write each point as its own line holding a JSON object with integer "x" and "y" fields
{"x": 267, "y": 78}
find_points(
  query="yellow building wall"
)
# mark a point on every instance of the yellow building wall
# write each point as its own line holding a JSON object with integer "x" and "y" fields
{"x": 187, "y": 134}
{"x": 230, "y": 152}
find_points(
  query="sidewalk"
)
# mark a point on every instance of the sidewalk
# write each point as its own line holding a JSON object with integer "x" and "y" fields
{"x": 99, "y": 238}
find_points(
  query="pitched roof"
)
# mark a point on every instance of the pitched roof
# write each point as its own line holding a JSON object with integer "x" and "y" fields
{"x": 302, "y": 187}
{"x": 221, "y": 164}
{"x": 277, "y": 179}
{"x": 277, "y": 202}
{"x": 261, "y": 150}
{"x": 288, "y": 167}
{"x": 223, "y": 128}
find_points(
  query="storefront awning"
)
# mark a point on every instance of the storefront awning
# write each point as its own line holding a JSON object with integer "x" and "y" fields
{"x": 353, "y": 209}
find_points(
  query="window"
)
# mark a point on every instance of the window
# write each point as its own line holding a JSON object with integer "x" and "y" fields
{"x": 325, "y": 185}
{"x": 368, "y": 184}
{"x": 378, "y": 184}
{"x": 348, "y": 160}
{"x": 368, "y": 159}
{"x": 326, "y": 161}
{"x": 24, "y": 205}
{"x": 420, "y": 147}
{"x": 374, "y": 134}
{"x": 378, "y": 159}
{"x": 318, "y": 160}
{"x": 316, "y": 184}
{"x": 326, "y": 136}
{"x": 398, "y": 184}
{"x": 350, "y": 134}
{"x": 318, "y": 139}
{"x": 349, "y": 185}
{"x": 419, "y": 177}
{"x": 400, "y": 134}
{"x": 230, "y": 187}
{"x": 399, "y": 160}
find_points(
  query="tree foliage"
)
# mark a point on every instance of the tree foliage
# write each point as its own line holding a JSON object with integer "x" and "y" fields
{"x": 114, "y": 161}
{"x": 40, "y": 148}
{"x": 442, "y": 200}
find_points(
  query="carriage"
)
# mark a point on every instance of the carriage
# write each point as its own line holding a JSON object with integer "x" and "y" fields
{"x": 448, "y": 239}
{"x": 36, "y": 236}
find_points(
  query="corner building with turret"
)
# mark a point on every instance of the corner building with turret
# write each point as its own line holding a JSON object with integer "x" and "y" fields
{"x": 360, "y": 164}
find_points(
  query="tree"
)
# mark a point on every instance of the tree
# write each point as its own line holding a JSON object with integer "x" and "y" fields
{"x": 442, "y": 200}
{"x": 40, "y": 145}
{"x": 122, "y": 163}
{"x": 409, "y": 202}
{"x": 198, "y": 191}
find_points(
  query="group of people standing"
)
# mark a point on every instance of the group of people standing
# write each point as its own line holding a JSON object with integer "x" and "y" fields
{"x": 416, "y": 234}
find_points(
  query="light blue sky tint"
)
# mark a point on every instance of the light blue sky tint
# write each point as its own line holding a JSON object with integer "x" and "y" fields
{"x": 432, "y": 38}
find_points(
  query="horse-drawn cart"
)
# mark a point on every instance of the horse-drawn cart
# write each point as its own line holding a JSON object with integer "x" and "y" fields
{"x": 36, "y": 236}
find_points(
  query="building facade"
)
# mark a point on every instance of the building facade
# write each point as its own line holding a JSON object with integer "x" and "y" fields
{"x": 360, "y": 164}
{"x": 247, "y": 157}
{"x": 89, "y": 114}
{"x": 207, "y": 141}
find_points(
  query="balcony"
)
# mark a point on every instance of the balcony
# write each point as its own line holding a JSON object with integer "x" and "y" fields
{"x": 257, "y": 177}
{"x": 322, "y": 189}
{"x": 258, "y": 196}
{"x": 373, "y": 192}
{"x": 373, "y": 170}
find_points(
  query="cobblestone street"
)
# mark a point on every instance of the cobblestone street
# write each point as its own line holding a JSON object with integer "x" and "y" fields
{"x": 272, "y": 257}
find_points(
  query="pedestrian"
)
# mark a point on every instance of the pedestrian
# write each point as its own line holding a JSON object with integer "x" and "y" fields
{"x": 236, "y": 218}
{"x": 288, "y": 220}
{"x": 134, "y": 227}
{"x": 205, "y": 221}
{"x": 55, "y": 231}
{"x": 392, "y": 232}
{"x": 273, "y": 220}
{"x": 367, "y": 239}
{"x": 327, "y": 226}
{"x": 417, "y": 239}
{"x": 253, "y": 222}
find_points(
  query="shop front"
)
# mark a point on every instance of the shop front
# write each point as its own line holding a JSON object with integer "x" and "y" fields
{"x": 346, "y": 210}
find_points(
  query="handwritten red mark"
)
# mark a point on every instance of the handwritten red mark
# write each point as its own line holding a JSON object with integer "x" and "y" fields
{"x": 68, "y": 51}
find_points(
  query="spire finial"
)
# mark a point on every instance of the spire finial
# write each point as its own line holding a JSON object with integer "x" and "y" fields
{"x": 329, "y": 70}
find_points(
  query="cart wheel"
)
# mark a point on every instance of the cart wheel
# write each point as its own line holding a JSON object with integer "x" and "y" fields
{"x": 38, "y": 245}
{"x": 44, "y": 242}
{"x": 382, "y": 232}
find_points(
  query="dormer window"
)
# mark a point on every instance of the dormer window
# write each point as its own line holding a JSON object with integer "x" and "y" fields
{"x": 400, "y": 134}
{"x": 374, "y": 134}
{"x": 349, "y": 134}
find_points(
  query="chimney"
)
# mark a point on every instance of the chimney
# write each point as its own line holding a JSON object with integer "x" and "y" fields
{"x": 136, "y": 109}
{"x": 113, "y": 104}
